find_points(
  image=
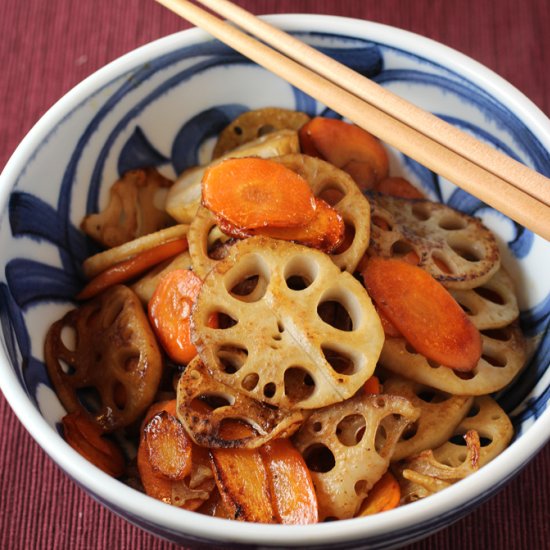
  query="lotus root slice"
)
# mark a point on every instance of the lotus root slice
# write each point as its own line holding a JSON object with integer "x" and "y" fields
{"x": 503, "y": 356}
{"x": 347, "y": 448}
{"x": 276, "y": 301}
{"x": 456, "y": 249}
{"x": 219, "y": 403}
{"x": 254, "y": 124}
{"x": 111, "y": 367}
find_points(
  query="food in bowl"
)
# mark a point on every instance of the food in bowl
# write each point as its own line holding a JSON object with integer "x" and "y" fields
{"x": 311, "y": 324}
{"x": 130, "y": 115}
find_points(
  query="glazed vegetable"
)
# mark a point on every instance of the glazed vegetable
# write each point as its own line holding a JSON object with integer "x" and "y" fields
{"x": 86, "y": 437}
{"x": 170, "y": 310}
{"x": 292, "y": 492}
{"x": 254, "y": 192}
{"x": 384, "y": 496}
{"x": 348, "y": 147}
{"x": 324, "y": 231}
{"x": 424, "y": 312}
{"x": 126, "y": 270}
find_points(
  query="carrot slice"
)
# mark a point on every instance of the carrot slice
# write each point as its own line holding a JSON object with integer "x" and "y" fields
{"x": 128, "y": 269}
{"x": 170, "y": 313}
{"x": 399, "y": 187}
{"x": 253, "y": 192}
{"x": 424, "y": 312}
{"x": 158, "y": 458}
{"x": 348, "y": 147}
{"x": 168, "y": 446}
{"x": 293, "y": 494}
{"x": 85, "y": 436}
{"x": 389, "y": 328}
{"x": 372, "y": 386}
{"x": 242, "y": 478}
{"x": 325, "y": 231}
{"x": 384, "y": 496}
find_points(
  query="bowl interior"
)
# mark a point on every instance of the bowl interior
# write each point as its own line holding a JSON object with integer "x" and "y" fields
{"x": 163, "y": 106}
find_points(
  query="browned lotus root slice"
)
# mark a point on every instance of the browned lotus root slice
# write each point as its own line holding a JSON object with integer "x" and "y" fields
{"x": 348, "y": 447}
{"x": 503, "y": 356}
{"x": 254, "y": 124}
{"x": 184, "y": 196}
{"x": 491, "y": 305}
{"x": 114, "y": 357}
{"x": 207, "y": 244}
{"x": 203, "y": 423}
{"x": 146, "y": 285}
{"x": 424, "y": 475}
{"x": 340, "y": 191}
{"x": 456, "y": 249}
{"x": 491, "y": 423}
{"x": 136, "y": 207}
{"x": 440, "y": 413}
{"x": 269, "y": 296}
{"x": 97, "y": 263}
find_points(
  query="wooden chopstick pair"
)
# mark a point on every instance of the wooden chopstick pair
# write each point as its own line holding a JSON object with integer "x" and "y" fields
{"x": 498, "y": 180}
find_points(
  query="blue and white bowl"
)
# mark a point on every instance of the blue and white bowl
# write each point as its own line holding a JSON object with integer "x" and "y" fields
{"x": 161, "y": 105}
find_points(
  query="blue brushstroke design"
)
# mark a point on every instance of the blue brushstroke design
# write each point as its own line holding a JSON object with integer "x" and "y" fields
{"x": 206, "y": 124}
{"x": 33, "y": 218}
{"x": 138, "y": 152}
{"x": 31, "y": 281}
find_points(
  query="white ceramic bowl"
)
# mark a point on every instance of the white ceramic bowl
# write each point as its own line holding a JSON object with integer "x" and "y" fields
{"x": 160, "y": 105}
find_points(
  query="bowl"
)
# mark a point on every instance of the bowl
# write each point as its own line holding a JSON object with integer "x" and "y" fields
{"x": 161, "y": 105}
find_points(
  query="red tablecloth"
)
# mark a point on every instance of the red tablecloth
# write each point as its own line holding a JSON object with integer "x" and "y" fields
{"x": 47, "y": 47}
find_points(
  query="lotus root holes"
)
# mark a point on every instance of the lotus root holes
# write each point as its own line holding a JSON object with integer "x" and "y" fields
{"x": 467, "y": 250}
{"x": 410, "y": 431}
{"x": 450, "y": 222}
{"x": 68, "y": 337}
{"x": 361, "y": 487}
{"x": 339, "y": 361}
{"x": 300, "y": 273}
{"x": 351, "y": 429}
{"x": 248, "y": 281}
{"x": 490, "y": 295}
{"x": 319, "y": 458}
{"x": 90, "y": 398}
{"x": 298, "y": 384}
{"x": 401, "y": 248}
{"x": 250, "y": 381}
{"x": 231, "y": 358}
{"x": 421, "y": 211}
{"x": 332, "y": 194}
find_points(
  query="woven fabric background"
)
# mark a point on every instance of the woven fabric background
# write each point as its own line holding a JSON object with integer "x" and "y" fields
{"x": 47, "y": 47}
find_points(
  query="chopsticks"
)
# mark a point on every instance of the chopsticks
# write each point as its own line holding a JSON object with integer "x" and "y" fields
{"x": 496, "y": 179}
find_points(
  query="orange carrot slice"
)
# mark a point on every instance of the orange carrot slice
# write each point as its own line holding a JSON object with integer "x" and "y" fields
{"x": 348, "y": 147}
{"x": 242, "y": 479}
{"x": 424, "y": 312}
{"x": 85, "y": 436}
{"x": 292, "y": 491}
{"x": 384, "y": 496}
{"x": 399, "y": 187}
{"x": 170, "y": 313}
{"x": 168, "y": 446}
{"x": 325, "y": 231}
{"x": 389, "y": 328}
{"x": 128, "y": 269}
{"x": 253, "y": 192}
{"x": 372, "y": 386}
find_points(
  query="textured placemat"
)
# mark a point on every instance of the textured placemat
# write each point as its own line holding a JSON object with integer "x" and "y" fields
{"x": 49, "y": 46}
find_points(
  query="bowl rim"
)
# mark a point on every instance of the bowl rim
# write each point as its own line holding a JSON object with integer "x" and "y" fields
{"x": 181, "y": 522}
